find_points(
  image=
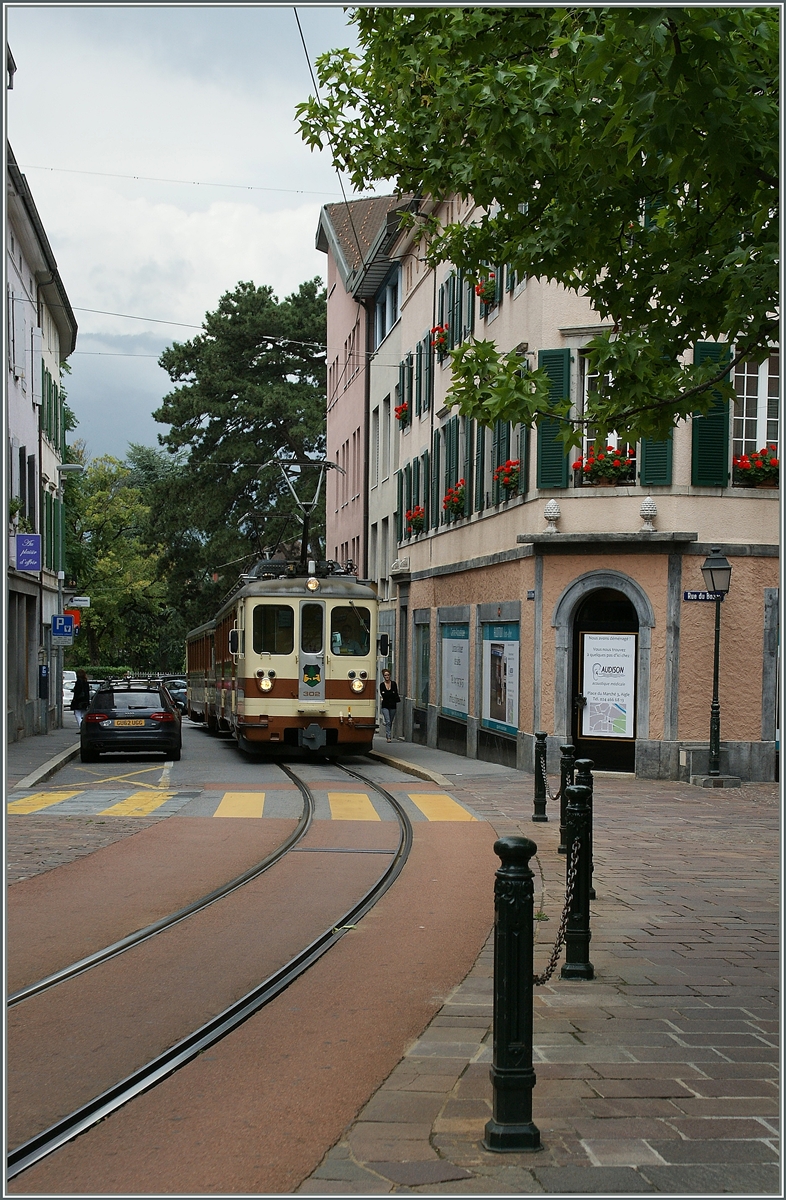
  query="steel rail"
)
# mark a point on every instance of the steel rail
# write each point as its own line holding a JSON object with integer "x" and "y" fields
{"x": 153, "y": 1072}
{"x": 141, "y": 935}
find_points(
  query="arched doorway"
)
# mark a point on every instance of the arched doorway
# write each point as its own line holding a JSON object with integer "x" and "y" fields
{"x": 603, "y": 679}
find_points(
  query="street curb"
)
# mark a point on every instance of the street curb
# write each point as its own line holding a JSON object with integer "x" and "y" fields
{"x": 48, "y": 769}
{"x": 410, "y": 768}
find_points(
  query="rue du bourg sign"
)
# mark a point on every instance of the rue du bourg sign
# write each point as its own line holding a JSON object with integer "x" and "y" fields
{"x": 703, "y": 595}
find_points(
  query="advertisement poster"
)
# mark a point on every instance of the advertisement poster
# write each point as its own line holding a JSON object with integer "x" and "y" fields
{"x": 501, "y": 677}
{"x": 608, "y": 662}
{"x": 455, "y": 671}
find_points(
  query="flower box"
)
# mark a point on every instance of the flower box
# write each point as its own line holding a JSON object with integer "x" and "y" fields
{"x": 486, "y": 289}
{"x": 439, "y": 338}
{"x": 401, "y": 413}
{"x": 762, "y": 468}
{"x": 606, "y": 467}
{"x": 507, "y": 476}
{"x": 416, "y": 519}
{"x": 453, "y": 500}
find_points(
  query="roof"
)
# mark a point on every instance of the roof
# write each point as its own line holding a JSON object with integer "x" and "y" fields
{"x": 20, "y": 201}
{"x": 359, "y": 233}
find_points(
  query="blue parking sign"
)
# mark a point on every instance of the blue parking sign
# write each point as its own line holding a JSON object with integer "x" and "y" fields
{"x": 28, "y": 552}
{"x": 62, "y": 626}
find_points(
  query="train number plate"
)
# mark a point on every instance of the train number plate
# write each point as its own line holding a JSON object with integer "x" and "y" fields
{"x": 124, "y": 723}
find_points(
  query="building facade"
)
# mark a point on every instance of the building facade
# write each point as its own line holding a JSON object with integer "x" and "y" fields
{"x": 41, "y": 334}
{"x": 526, "y": 598}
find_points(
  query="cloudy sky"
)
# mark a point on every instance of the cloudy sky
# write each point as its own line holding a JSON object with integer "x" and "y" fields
{"x": 204, "y": 95}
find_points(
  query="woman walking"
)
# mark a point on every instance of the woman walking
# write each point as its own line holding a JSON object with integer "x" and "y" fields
{"x": 388, "y": 690}
{"x": 80, "y": 701}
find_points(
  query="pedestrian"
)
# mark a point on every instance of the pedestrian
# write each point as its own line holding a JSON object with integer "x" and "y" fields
{"x": 80, "y": 702}
{"x": 388, "y": 690}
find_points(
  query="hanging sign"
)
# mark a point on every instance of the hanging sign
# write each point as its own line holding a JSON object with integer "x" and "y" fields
{"x": 608, "y": 685}
{"x": 28, "y": 552}
{"x": 455, "y": 670}
{"x": 500, "y": 697}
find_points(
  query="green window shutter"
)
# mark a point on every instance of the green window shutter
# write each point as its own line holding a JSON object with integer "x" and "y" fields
{"x": 468, "y": 465}
{"x": 58, "y": 535}
{"x": 399, "y": 506}
{"x": 441, "y": 317}
{"x": 436, "y": 499}
{"x": 415, "y": 481}
{"x": 428, "y": 372}
{"x": 408, "y": 390}
{"x": 522, "y": 454}
{"x": 510, "y": 279}
{"x": 49, "y": 532}
{"x": 499, "y": 290}
{"x": 495, "y": 489}
{"x": 426, "y": 487}
{"x": 407, "y": 487}
{"x": 710, "y": 452}
{"x": 655, "y": 462}
{"x": 552, "y": 459}
{"x": 453, "y": 286}
{"x": 418, "y": 377}
{"x": 480, "y": 462}
{"x": 401, "y": 381}
{"x": 468, "y": 310}
{"x": 55, "y": 415}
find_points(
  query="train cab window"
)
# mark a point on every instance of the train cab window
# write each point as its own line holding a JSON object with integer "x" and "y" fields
{"x": 274, "y": 629}
{"x": 350, "y": 631}
{"x": 311, "y": 628}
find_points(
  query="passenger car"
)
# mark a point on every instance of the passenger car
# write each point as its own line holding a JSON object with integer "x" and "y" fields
{"x": 177, "y": 690}
{"x": 124, "y": 717}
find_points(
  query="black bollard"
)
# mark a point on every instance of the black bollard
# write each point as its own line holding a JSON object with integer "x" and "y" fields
{"x": 512, "y": 1076}
{"x": 539, "y": 797}
{"x": 577, "y": 937}
{"x": 584, "y": 777}
{"x": 566, "y": 765}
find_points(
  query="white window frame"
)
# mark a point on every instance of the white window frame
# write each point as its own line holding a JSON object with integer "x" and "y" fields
{"x": 741, "y": 440}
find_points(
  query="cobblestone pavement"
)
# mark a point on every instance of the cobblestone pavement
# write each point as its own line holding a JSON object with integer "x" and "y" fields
{"x": 35, "y": 844}
{"x": 657, "y": 1076}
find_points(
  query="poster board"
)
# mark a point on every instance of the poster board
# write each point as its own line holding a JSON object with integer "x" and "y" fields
{"x": 608, "y": 683}
{"x": 455, "y": 671}
{"x": 500, "y": 695}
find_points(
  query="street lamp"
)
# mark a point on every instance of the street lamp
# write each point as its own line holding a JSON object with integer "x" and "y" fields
{"x": 62, "y": 469}
{"x": 716, "y": 570}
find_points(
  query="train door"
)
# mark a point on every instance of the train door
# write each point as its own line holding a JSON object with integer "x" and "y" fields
{"x": 311, "y": 673}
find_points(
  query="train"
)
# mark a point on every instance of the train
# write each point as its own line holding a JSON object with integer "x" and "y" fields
{"x": 289, "y": 663}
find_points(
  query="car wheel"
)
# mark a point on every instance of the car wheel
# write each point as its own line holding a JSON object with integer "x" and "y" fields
{"x": 88, "y": 755}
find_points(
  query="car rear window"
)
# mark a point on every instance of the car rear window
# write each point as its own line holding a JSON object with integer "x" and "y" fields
{"x": 127, "y": 698}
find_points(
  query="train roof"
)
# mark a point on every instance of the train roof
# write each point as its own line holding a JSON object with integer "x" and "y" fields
{"x": 331, "y": 587}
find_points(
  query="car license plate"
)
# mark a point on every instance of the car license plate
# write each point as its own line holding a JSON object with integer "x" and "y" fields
{"x": 124, "y": 723}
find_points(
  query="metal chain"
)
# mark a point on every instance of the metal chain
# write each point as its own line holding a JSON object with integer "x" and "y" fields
{"x": 570, "y": 884}
{"x": 549, "y": 792}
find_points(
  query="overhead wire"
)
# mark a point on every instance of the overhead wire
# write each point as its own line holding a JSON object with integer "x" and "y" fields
{"x": 245, "y": 187}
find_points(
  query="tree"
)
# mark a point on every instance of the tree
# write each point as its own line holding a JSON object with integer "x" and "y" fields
{"x": 252, "y": 388}
{"x": 627, "y": 153}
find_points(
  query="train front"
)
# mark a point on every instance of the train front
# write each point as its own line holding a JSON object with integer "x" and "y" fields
{"x": 306, "y": 665}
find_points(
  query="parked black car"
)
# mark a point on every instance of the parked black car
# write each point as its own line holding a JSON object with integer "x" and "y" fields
{"x": 123, "y": 717}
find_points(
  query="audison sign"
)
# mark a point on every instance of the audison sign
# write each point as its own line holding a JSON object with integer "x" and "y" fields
{"x": 608, "y": 663}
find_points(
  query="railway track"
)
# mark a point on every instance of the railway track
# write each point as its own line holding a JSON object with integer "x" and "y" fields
{"x": 158, "y": 1068}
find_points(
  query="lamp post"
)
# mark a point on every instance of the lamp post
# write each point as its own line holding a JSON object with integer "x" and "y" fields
{"x": 62, "y": 469}
{"x": 716, "y": 570}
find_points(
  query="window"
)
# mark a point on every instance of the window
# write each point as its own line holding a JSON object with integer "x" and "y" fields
{"x": 311, "y": 628}
{"x": 350, "y": 631}
{"x": 592, "y": 382}
{"x": 274, "y": 629}
{"x": 756, "y": 406}
{"x": 422, "y": 663}
{"x": 386, "y": 308}
{"x": 375, "y": 447}
{"x": 385, "y": 464}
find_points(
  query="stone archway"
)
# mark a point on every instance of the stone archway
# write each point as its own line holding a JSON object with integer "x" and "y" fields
{"x": 562, "y": 621}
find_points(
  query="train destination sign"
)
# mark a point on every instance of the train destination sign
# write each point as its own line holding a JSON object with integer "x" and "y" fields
{"x": 703, "y": 595}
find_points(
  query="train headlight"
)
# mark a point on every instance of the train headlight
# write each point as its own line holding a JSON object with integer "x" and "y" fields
{"x": 266, "y": 684}
{"x": 357, "y": 685}
{"x": 312, "y": 584}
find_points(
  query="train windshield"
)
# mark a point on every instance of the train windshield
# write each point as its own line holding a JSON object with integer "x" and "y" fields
{"x": 274, "y": 629}
{"x": 311, "y": 628}
{"x": 350, "y": 631}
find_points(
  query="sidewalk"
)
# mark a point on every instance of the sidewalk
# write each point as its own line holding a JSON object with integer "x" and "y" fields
{"x": 33, "y": 753}
{"x": 657, "y": 1076}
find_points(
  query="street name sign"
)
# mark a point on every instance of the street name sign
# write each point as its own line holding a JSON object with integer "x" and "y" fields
{"x": 703, "y": 595}
{"x": 79, "y": 601}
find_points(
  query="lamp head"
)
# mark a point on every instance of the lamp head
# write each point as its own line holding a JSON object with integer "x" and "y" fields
{"x": 716, "y": 570}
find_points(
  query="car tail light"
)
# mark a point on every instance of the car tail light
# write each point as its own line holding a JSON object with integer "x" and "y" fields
{"x": 96, "y": 718}
{"x": 162, "y": 716}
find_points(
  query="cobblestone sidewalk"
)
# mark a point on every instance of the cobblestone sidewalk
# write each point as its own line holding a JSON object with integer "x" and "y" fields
{"x": 657, "y": 1076}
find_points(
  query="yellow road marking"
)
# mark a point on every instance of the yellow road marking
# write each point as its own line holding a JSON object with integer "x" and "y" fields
{"x": 139, "y": 804}
{"x": 352, "y": 806}
{"x": 241, "y": 804}
{"x": 102, "y": 779}
{"x": 39, "y": 800}
{"x": 436, "y": 806}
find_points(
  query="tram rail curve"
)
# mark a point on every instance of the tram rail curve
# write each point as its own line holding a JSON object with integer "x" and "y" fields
{"x": 41, "y": 1145}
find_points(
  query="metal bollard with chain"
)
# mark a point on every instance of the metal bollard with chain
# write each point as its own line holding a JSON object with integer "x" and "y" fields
{"x": 541, "y": 782}
{"x": 577, "y": 964}
{"x": 567, "y": 767}
{"x": 584, "y": 777}
{"x": 570, "y": 884}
